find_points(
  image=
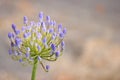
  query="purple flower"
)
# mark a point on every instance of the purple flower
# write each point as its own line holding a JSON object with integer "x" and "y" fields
{"x": 60, "y": 28}
{"x": 55, "y": 34}
{"x": 53, "y": 37}
{"x": 51, "y": 30}
{"x": 39, "y": 35}
{"x": 10, "y": 35}
{"x": 32, "y": 23}
{"x": 25, "y": 19}
{"x": 38, "y": 24}
{"x": 44, "y": 29}
{"x": 54, "y": 23}
{"x": 17, "y": 32}
{"x": 13, "y": 27}
{"x": 57, "y": 53}
{"x": 27, "y": 54}
{"x": 48, "y": 18}
{"x": 64, "y": 30}
{"x": 10, "y": 51}
{"x": 37, "y": 41}
{"x": 51, "y": 23}
{"x": 39, "y": 58}
{"x": 39, "y": 48}
{"x": 18, "y": 41}
{"x": 41, "y": 16}
{"x": 47, "y": 67}
{"x": 23, "y": 28}
{"x": 20, "y": 60}
{"x": 28, "y": 27}
{"x": 53, "y": 47}
{"x": 62, "y": 43}
{"x": 44, "y": 40}
{"x": 28, "y": 49}
{"x": 26, "y": 35}
{"x": 61, "y": 35}
{"x": 43, "y": 24}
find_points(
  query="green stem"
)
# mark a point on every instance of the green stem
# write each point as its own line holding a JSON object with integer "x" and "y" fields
{"x": 33, "y": 77}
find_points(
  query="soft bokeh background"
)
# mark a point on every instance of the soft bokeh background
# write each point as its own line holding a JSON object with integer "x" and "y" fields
{"x": 92, "y": 41}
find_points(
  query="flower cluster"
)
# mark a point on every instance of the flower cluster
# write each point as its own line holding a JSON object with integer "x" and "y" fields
{"x": 42, "y": 40}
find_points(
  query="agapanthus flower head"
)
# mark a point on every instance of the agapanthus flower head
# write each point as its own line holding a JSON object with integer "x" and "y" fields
{"x": 42, "y": 40}
{"x": 25, "y": 19}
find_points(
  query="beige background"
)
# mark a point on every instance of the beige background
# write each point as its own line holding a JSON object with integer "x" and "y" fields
{"x": 92, "y": 41}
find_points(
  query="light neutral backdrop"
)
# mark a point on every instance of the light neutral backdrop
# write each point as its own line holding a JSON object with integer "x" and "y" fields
{"x": 92, "y": 42}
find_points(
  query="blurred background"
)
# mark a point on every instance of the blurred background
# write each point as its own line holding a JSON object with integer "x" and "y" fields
{"x": 92, "y": 42}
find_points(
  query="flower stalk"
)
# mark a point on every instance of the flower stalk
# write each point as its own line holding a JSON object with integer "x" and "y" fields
{"x": 34, "y": 70}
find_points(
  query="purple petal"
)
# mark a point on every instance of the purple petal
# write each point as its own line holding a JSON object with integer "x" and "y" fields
{"x": 25, "y": 35}
{"x": 39, "y": 35}
{"x": 41, "y": 16}
{"x": 25, "y": 19}
{"x": 44, "y": 40}
{"x": 10, "y": 35}
{"x": 39, "y": 58}
{"x": 51, "y": 30}
{"x": 28, "y": 27}
{"x": 14, "y": 27}
{"x": 20, "y": 60}
{"x": 28, "y": 49}
{"x": 23, "y": 28}
{"x": 38, "y": 24}
{"x": 32, "y": 23}
{"x": 17, "y": 32}
{"x": 62, "y": 43}
{"x": 48, "y": 18}
{"x": 47, "y": 67}
{"x": 64, "y": 30}
{"x": 53, "y": 37}
{"x": 51, "y": 23}
{"x": 43, "y": 27}
{"x": 60, "y": 28}
{"x": 39, "y": 48}
{"x": 54, "y": 23}
{"x": 61, "y": 35}
{"x": 43, "y": 24}
{"x": 57, "y": 53}
{"x": 10, "y": 51}
{"x": 18, "y": 41}
{"x": 27, "y": 54}
{"x": 53, "y": 47}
